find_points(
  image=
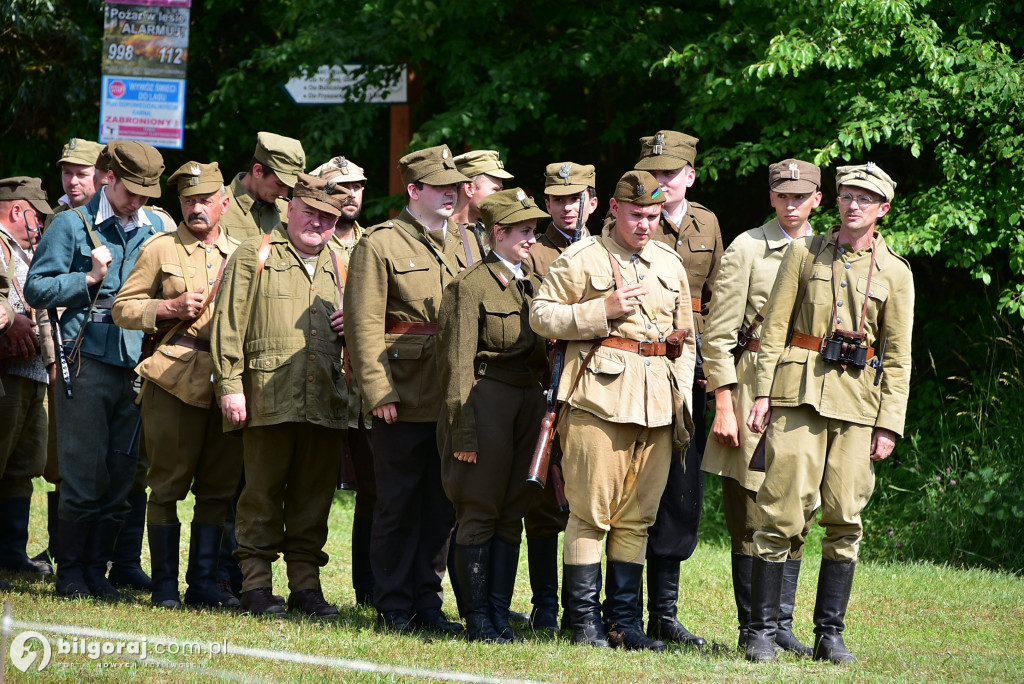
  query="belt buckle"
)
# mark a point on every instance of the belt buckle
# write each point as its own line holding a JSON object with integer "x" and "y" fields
{"x": 645, "y": 345}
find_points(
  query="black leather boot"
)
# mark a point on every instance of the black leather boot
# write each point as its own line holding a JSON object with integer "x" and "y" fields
{"x": 14, "y": 514}
{"x": 582, "y": 591}
{"x": 201, "y": 576}
{"x": 229, "y": 575}
{"x": 127, "y": 569}
{"x": 70, "y": 556}
{"x": 784, "y": 637}
{"x": 472, "y": 566}
{"x": 502, "y": 583}
{"x": 362, "y": 573}
{"x": 662, "y": 600}
{"x": 542, "y": 557}
{"x": 741, "y": 568}
{"x": 765, "y": 590}
{"x": 99, "y": 548}
{"x": 47, "y": 554}
{"x": 622, "y": 609}
{"x": 835, "y": 581}
{"x": 164, "y": 542}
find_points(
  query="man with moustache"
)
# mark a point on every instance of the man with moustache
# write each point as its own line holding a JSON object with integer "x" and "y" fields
{"x": 839, "y": 301}
{"x": 347, "y": 234}
{"x": 169, "y": 294}
{"x": 569, "y": 189}
{"x": 23, "y": 403}
{"x": 692, "y": 231}
{"x": 396, "y": 277}
{"x": 259, "y": 196}
{"x": 731, "y": 343}
{"x": 622, "y": 301}
{"x": 276, "y": 345}
{"x": 80, "y": 264}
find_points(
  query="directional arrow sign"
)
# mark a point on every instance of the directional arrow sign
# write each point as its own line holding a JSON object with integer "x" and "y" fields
{"x": 342, "y": 84}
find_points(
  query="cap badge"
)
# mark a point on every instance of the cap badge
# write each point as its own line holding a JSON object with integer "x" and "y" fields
{"x": 521, "y": 196}
{"x": 794, "y": 171}
{"x": 659, "y": 143}
{"x": 444, "y": 153}
{"x": 563, "y": 172}
{"x": 194, "y": 169}
{"x": 328, "y": 190}
{"x": 870, "y": 168}
{"x": 343, "y": 165}
{"x": 302, "y": 161}
{"x": 640, "y": 190}
{"x": 72, "y": 144}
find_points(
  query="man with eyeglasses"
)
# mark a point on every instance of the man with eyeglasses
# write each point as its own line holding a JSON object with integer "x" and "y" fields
{"x": 832, "y": 380}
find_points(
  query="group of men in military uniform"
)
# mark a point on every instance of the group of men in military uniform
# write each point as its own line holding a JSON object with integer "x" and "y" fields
{"x": 243, "y": 309}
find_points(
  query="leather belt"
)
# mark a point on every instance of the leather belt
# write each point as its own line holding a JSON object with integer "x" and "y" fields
{"x": 753, "y": 345}
{"x": 183, "y": 340}
{"x": 813, "y": 344}
{"x": 410, "y": 328}
{"x": 696, "y": 304}
{"x": 644, "y": 348}
{"x": 98, "y": 317}
{"x": 105, "y": 302}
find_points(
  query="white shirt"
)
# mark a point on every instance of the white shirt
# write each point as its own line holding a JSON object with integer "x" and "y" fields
{"x": 106, "y": 210}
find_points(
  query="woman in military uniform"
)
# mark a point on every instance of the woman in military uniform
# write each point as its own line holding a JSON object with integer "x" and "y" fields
{"x": 491, "y": 364}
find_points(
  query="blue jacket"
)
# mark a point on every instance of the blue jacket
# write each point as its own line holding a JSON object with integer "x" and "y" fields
{"x": 57, "y": 279}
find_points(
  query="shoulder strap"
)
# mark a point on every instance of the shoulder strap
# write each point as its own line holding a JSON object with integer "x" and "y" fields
{"x": 465, "y": 244}
{"x": 341, "y": 273}
{"x": 90, "y": 231}
{"x": 263, "y": 254}
{"x": 805, "y": 276}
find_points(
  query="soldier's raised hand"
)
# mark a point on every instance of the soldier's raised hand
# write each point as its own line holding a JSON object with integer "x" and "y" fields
{"x": 623, "y": 301}
{"x": 101, "y": 260}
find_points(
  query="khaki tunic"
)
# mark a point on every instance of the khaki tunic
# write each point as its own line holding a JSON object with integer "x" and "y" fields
{"x": 356, "y": 415}
{"x": 549, "y": 246}
{"x": 748, "y": 271}
{"x": 246, "y": 216}
{"x": 620, "y": 386}
{"x": 698, "y": 240}
{"x": 395, "y": 276}
{"x": 158, "y": 276}
{"x": 793, "y": 376}
{"x": 272, "y": 339}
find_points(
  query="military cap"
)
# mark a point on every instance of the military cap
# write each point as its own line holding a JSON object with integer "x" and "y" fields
{"x": 339, "y": 170}
{"x": 327, "y": 196}
{"x": 481, "y": 161}
{"x": 794, "y": 175}
{"x": 567, "y": 178}
{"x": 284, "y": 156}
{"x": 25, "y": 188}
{"x": 507, "y": 207}
{"x": 138, "y": 165}
{"x": 103, "y": 158}
{"x": 193, "y": 178}
{"x": 80, "y": 151}
{"x": 433, "y": 166}
{"x": 666, "y": 151}
{"x": 868, "y": 176}
{"x": 640, "y": 188}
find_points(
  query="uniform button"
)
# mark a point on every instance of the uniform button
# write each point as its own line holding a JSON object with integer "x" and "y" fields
{"x": 312, "y": 309}
{"x": 312, "y": 289}
{"x": 842, "y": 250}
{"x": 312, "y": 332}
{"x": 310, "y": 378}
{"x": 208, "y": 250}
{"x": 839, "y": 303}
{"x": 839, "y": 321}
{"x": 842, "y": 284}
{"x": 312, "y": 357}
{"x": 846, "y": 265}
{"x": 211, "y": 282}
{"x": 703, "y": 247}
{"x": 395, "y": 355}
{"x": 871, "y": 293}
{"x": 647, "y": 362}
{"x": 266, "y": 363}
{"x": 209, "y": 265}
{"x": 641, "y": 276}
{"x": 679, "y": 242}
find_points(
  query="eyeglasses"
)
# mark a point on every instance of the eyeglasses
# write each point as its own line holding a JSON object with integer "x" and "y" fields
{"x": 847, "y": 198}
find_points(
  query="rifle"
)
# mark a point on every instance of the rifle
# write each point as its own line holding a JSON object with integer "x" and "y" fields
{"x": 542, "y": 468}
{"x": 876, "y": 363}
{"x": 58, "y": 342}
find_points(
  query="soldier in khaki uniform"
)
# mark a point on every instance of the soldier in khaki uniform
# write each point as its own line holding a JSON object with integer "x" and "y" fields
{"x": 564, "y": 185}
{"x": 618, "y": 298}
{"x": 396, "y": 278}
{"x": 25, "y": 377}
{"x": 277, "y": 356}
{"x": 692, "y": 231}
{"x": 743, "y": 287}
{"x": 347, "y": 235}
{"x": 259, "y": 197}
{"x": 839, "y": 300}
{"x": 490, "y": 365}
{"x": 487, "y": 175}
{"x": 168, "y": 293}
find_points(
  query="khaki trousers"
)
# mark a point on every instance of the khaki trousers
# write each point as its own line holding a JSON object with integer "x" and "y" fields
{"x": 805, "y": 454}
{"x": 22, "y": 435}
{"x": 615, "y": 474}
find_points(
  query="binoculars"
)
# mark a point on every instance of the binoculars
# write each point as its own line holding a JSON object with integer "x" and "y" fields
{"x": 845, "y": 347}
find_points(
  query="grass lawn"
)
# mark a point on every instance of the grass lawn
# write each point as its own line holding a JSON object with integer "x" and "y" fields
{"x": 907, "y": 623}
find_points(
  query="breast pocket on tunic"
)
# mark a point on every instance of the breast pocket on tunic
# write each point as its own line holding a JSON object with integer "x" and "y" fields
{"x": 412, "y": 276}
{"x": 700, "y": 250}
{"x": 282, "y": 275}
{"x": 819, "y": 286}
{"x": 173, "y": 280}
{"x": 502, "y": 324}
{"x": 599, "y": 286}
{"x": 670, "y": 288}
{"x": 877, "y": 296}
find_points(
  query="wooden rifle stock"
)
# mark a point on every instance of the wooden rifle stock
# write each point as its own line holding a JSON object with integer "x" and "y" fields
{"x": 540, "y": 464}
{"x": 558, "y": 486}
